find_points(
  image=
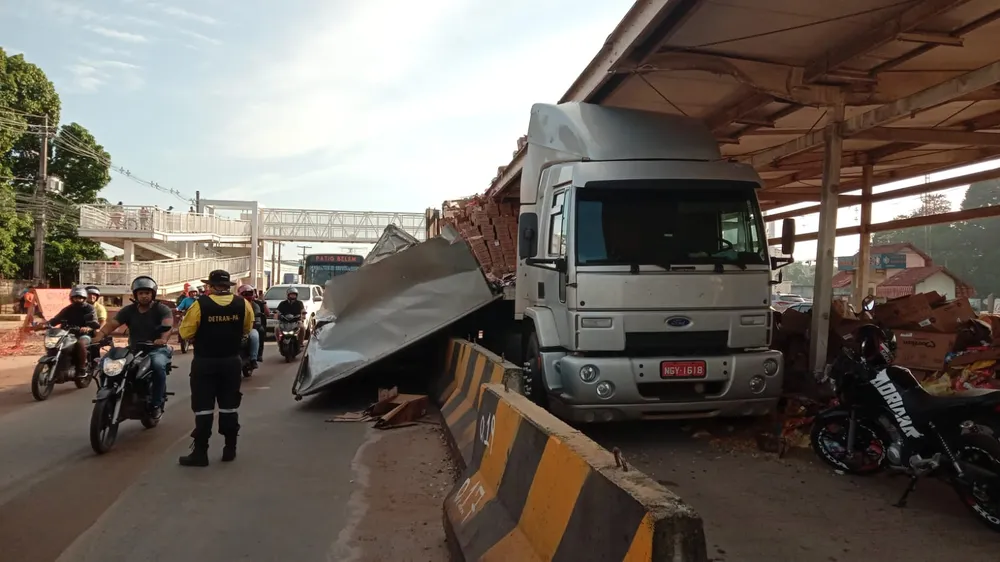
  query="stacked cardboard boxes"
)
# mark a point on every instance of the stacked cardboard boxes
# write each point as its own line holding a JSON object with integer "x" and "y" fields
{"x": 929, "y": 330}
{"x": 490, "y": 228}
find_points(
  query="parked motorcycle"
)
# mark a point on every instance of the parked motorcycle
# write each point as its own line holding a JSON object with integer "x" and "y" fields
{"x": 885, "y": 419}
{"x": 124, "y": 393}
{"x": 288, "y": 336}
{"x": 57, "y": 365}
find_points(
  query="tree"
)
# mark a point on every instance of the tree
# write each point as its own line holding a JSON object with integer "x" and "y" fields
{"x": 74, "y": 156}
{"x": 927, "y": 238}
{"x": 976, "y": 246}
{"x": 800, "y": 273}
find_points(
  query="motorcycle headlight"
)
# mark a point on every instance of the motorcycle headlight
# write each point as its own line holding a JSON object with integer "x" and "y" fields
{"x": 51, "y": 341}
{"x": 113, "y": 367}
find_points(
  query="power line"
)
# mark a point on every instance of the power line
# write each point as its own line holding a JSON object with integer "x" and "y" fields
{"x": 71, "y": 143}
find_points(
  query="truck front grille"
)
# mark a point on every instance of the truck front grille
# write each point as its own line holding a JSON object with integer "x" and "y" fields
{"x": 676, "y": 344}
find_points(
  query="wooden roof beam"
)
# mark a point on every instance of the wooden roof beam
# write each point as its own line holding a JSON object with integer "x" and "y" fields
{"x": 925, "y": 99}
{"x": 903, "y": 22}
{"x": 928, "y": 136}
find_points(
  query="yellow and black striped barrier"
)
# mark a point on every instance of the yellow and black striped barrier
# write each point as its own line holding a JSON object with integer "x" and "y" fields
{"x": 467, "y": 367}
{"x": 535, "y": 489}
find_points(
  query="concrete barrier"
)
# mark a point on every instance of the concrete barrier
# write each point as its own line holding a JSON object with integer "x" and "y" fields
{"x": 467, "y": 367}
{"x": 536, "y": 489}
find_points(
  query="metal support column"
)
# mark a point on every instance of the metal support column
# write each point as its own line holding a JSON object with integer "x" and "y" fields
{"x": 826, "y": 240}
{"x": 863, "y": 269}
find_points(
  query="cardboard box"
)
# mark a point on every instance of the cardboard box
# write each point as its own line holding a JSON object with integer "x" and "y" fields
{"x": 949, "y": 317}
{"x": 795, "y": 322}
{"x": 923, "y": 350}
{"x": 909, "y": 312}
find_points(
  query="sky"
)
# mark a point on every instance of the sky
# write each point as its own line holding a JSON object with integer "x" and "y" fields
{"x": 380, "y": 105}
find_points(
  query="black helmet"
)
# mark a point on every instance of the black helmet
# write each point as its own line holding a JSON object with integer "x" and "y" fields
{"x": 92, "y": 290}
{"x": 144, "y": 282}
{"x": 77, "y": 292}
{"x": 878, "y": 345}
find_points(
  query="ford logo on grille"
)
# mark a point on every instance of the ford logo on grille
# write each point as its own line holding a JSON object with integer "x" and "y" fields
{"x": 678, "y": 321}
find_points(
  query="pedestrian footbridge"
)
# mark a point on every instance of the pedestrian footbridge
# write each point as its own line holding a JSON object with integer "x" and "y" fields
{"x": 115, "y": 277}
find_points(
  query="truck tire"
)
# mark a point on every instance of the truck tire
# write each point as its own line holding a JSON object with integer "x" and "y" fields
{"x": 534, "y": 381}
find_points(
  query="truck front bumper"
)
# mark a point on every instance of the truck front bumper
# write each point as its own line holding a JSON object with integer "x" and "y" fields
{"x": 734, "y": 385}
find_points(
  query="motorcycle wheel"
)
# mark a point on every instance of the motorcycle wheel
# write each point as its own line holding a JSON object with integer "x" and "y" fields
{"x": 149, "y": 422}
{"x": 103, "y": 430}
{"x": 82, "y": 383}
{"x": 184, "y": 346}
{"x": 40, "y": 389}
{"x": 979, "y": 456}
{"x": 829, "y": 442}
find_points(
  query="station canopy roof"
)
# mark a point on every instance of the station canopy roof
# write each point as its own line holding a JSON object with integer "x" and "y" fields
{"x": 918, "y": 79}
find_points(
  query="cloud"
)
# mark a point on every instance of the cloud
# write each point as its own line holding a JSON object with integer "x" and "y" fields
{"x": 116, "y": 34}
{"x": 199, "y": 36}
{"x": 86, "y": 78}
{"x": 183, "y": 14}
{"x": 71, "y": 11}
{"x": 90, "y": 75}
{"x": 411, "y": 104}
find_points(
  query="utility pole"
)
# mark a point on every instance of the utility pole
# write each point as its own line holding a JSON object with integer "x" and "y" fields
{"x": 304, "y": 248}
{"x": 43, "y": 172}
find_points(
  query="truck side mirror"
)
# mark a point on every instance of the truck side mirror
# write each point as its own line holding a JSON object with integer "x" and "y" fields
{"x": 527, "y": 235}
{"x": 788, "y": 236}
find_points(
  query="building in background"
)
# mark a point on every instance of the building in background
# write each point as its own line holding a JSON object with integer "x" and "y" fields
{"x": 899, "y": 270}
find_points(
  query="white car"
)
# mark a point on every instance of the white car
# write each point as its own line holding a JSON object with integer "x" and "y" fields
{"x": 781, "y": 302}
{"x": 310, "y": 295}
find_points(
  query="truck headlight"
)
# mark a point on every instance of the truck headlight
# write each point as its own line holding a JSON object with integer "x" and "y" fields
{"x": 757, "y": 384}
{"x": 595, "y": 322}
{"x": 589, "y": 373}
{"x": 112, "y": 367}
{"x": 770, "y": 366}
{"x": 52, "y": 341}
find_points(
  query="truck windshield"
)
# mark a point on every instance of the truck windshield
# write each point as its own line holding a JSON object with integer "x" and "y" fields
{"x": 669, "y": 222}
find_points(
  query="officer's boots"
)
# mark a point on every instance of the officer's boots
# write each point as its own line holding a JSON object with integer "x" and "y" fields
{"x": 198, "y": 455}
{"x": 229, "y": 450}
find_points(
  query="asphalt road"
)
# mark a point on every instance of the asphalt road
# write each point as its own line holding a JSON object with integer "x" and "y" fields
{"x": 759, "y": 508}
{"x": 285, "y": 498}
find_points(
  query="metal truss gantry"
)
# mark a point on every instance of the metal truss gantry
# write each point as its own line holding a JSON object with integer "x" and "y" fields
{"x": 310, "y": 225}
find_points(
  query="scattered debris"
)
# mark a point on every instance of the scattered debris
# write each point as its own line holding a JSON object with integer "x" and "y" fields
{"x": 391, "y": 410}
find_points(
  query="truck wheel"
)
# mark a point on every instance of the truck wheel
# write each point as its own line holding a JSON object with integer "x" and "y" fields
{"x": 534, "y": 384}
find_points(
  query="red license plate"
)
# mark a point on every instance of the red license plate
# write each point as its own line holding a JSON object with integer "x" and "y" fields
{"x": 682, "y": 370}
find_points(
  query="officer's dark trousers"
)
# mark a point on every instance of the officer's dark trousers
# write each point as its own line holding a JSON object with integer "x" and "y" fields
{"x": 215, "y": 381}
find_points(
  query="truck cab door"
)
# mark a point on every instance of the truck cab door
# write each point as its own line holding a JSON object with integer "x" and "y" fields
{"x": 552, "y": 282}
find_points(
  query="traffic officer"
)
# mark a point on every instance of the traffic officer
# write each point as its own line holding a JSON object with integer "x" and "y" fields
{"x": 220, "y": 319}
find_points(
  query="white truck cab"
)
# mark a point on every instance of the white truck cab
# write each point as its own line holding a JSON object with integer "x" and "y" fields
{"x": 643, "y": 280}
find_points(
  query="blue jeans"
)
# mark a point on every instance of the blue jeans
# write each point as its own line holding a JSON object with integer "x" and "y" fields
{"x": 253, "y": 344}
{"x": 159, "y": 359}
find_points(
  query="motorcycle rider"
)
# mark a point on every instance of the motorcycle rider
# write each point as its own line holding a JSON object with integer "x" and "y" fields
{"x": 265, "y": 313}
{"x": 222, "y": 319}
{"x": 188, "y": 301}
{"x": 79, "y": 314}
{"x": 94, "y": 298}
{"x": 247, "y": 292}
{"x": 143, "y": 317}
{"x": 294, "y": 307}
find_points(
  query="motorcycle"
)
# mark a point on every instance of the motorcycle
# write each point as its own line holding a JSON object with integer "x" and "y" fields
{"x": 288, "y": 336}
{"x": 884, "y": 419}
{"x": 57, "y": 365}
{"x": 124, "y": 393}
{"x": 178, "y": 318}
{"x": 247, "y": 365}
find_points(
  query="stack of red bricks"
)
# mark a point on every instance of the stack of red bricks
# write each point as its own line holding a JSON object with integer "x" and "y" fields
{"x": 490, "y": 228}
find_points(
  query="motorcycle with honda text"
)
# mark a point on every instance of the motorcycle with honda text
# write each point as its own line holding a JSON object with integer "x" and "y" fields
{"x": 884, "y": 419}
{"x": 124, "y": 393}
